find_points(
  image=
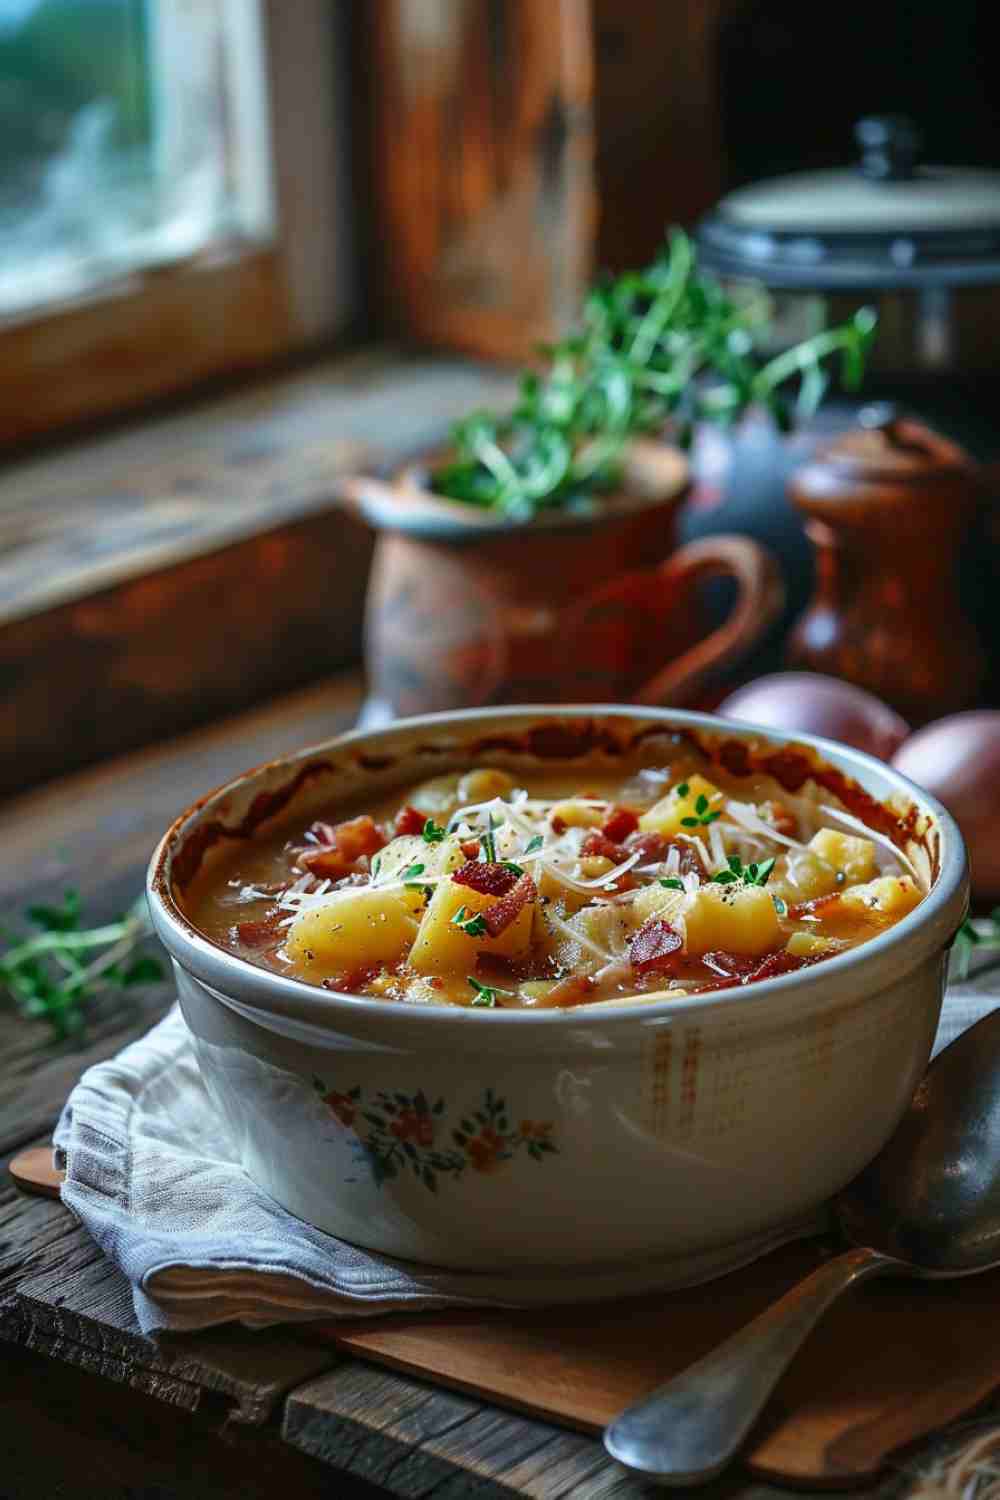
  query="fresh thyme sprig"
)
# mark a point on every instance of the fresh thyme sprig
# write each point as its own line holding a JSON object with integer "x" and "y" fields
{"x": 702, "y": 816}
{"x": 665, "y": 347}
{"x": 752, "y": 874}
{"x": 53, "y": 974}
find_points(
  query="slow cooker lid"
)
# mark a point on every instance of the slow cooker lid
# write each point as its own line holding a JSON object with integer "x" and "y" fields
{"x": 889, "y": 221}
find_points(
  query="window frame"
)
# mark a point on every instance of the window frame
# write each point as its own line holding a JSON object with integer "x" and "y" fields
{"x": 230, "y": 308}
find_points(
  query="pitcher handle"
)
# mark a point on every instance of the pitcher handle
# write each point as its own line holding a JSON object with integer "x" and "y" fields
{"x": 760, "y": 596}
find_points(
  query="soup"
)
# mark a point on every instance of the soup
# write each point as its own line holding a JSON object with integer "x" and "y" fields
{"x": 558, "y": 889}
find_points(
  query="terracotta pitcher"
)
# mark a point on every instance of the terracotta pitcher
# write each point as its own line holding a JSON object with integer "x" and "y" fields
{"x": 465, "y": 608}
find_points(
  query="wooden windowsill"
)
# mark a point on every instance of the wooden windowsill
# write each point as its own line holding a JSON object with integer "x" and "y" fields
{"x": 191, "y": 565}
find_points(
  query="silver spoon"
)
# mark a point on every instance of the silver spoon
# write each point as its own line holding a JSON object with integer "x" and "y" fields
{"x": 927, "y": 1206}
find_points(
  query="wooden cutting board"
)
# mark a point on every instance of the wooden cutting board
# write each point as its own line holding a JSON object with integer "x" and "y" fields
{"x": 893, "y": 1361}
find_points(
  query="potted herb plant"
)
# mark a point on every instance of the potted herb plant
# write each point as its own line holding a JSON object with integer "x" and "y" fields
{"x": 534, "y": 558}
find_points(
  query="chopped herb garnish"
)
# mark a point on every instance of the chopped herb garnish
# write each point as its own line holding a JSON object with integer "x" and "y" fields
{"x": 488, "y": 843}
{"x": 534, "y": 844}
{"x": 433, "y": 833}
{"x": 701, "y": 821}
{"x": 753, "y": 874}
{"x": 485, "y": 994}
{"x": 376, "y": 862}
{"x": 682, "y": 790}
{"x": 514, "y": 869}
{"x": 412, "y": 872}
{"x": 415, "y": 885}
{"x": 472, "y": 924}
{"x": 672, "y": 883}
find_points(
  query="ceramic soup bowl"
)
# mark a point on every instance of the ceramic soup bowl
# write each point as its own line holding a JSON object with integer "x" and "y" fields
{"x": 600, "y": 1136}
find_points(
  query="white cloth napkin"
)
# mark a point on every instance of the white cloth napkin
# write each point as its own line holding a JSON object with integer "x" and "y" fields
{"x": 153, "y": 1176}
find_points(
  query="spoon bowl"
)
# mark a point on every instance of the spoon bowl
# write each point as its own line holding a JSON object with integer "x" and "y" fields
{"x": 927, "y": 1206}
{"x": 932, "y": 1195}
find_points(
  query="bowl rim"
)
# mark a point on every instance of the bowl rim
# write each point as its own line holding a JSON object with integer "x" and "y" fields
{"x": 941, "y": 911}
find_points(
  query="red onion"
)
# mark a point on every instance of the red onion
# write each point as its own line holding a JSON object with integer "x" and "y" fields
{"x": 957, "y": 760}
{"x": 807, "y": 703}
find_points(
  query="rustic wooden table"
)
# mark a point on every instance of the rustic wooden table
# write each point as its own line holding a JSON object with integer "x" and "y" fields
{"x": 89, "y": 1406}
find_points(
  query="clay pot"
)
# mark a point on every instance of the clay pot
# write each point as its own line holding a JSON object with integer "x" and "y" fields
{"x": 466, "y": 608}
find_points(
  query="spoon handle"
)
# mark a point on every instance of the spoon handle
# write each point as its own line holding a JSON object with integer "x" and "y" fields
{"x": 687, "y": 1431}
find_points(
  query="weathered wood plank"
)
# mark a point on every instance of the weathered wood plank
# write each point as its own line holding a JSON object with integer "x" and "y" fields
{"x": 190, "y": 578}
{"x": 61, "y": 1296}
{"x": 415, "y": 1441}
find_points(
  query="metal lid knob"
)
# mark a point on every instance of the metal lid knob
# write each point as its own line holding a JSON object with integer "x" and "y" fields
{"x": 890, "y": 147}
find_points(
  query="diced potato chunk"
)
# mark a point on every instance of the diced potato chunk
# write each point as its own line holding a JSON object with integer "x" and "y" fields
{"x": 411, "y": 849}
{"x": 888, "y": 896}
{"x": 437, "y": 796}
{"x": 666, "y": 816}
{"x": 442, "y": 947}
{"x": 845, "y": 851}
{"x": 739, "y": 918}
{"x": 801, "y": 875}
{"x": 811, "y": 945}
{"x": 482, "y": 785}
{"x": 356, "y": 929}
{"x": 658, "y": 901}
{"x": 576, "y": 814}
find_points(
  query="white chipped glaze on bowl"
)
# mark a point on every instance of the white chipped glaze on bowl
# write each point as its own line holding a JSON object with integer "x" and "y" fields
{"x": 602, "y": 1136}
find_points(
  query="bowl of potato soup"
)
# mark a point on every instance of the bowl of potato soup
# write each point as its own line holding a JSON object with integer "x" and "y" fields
{"x": 542, "y": 988}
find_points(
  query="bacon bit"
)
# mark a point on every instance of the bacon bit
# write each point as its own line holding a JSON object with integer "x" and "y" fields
{"x": 729, "y": 965}
{"x": 354, "y": 981}
{"x": 409, "y": 820}
{"x": 257, "y": 934}
{"x": 470, "y": 848}
{"x": 600, "y": 844}
{"x": 341, "y": 846}
{"x": 653, "y": 848}
{"x": 650, "y": 847}
{"x": 576, "y": 990}
{"x": 739, "y": 969}
{"x": 558, "y": 825}
{"x": 359, "y": 836}
{"x": 435, "y": 982}
{"x": 499, "y": 916}
{"x": 487, "y": 877}
{"x": 784, "y": 963}
{"x": 655, "y": 948}
{"x": 620, "y": 822}
{"x": 781, "y": 818}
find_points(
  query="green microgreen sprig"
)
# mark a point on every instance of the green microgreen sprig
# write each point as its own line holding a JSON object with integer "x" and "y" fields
{"x": 432, "y": 832}
{"x": 485, "y": 994}
{"x": 473, "y": 924}
{"x": 55, "y": 973}
{"x": 535, "y": 843}
{"x": 702, "y": 815}
{"x": 752, "y": 874}
{"x": 661, "y": 348}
